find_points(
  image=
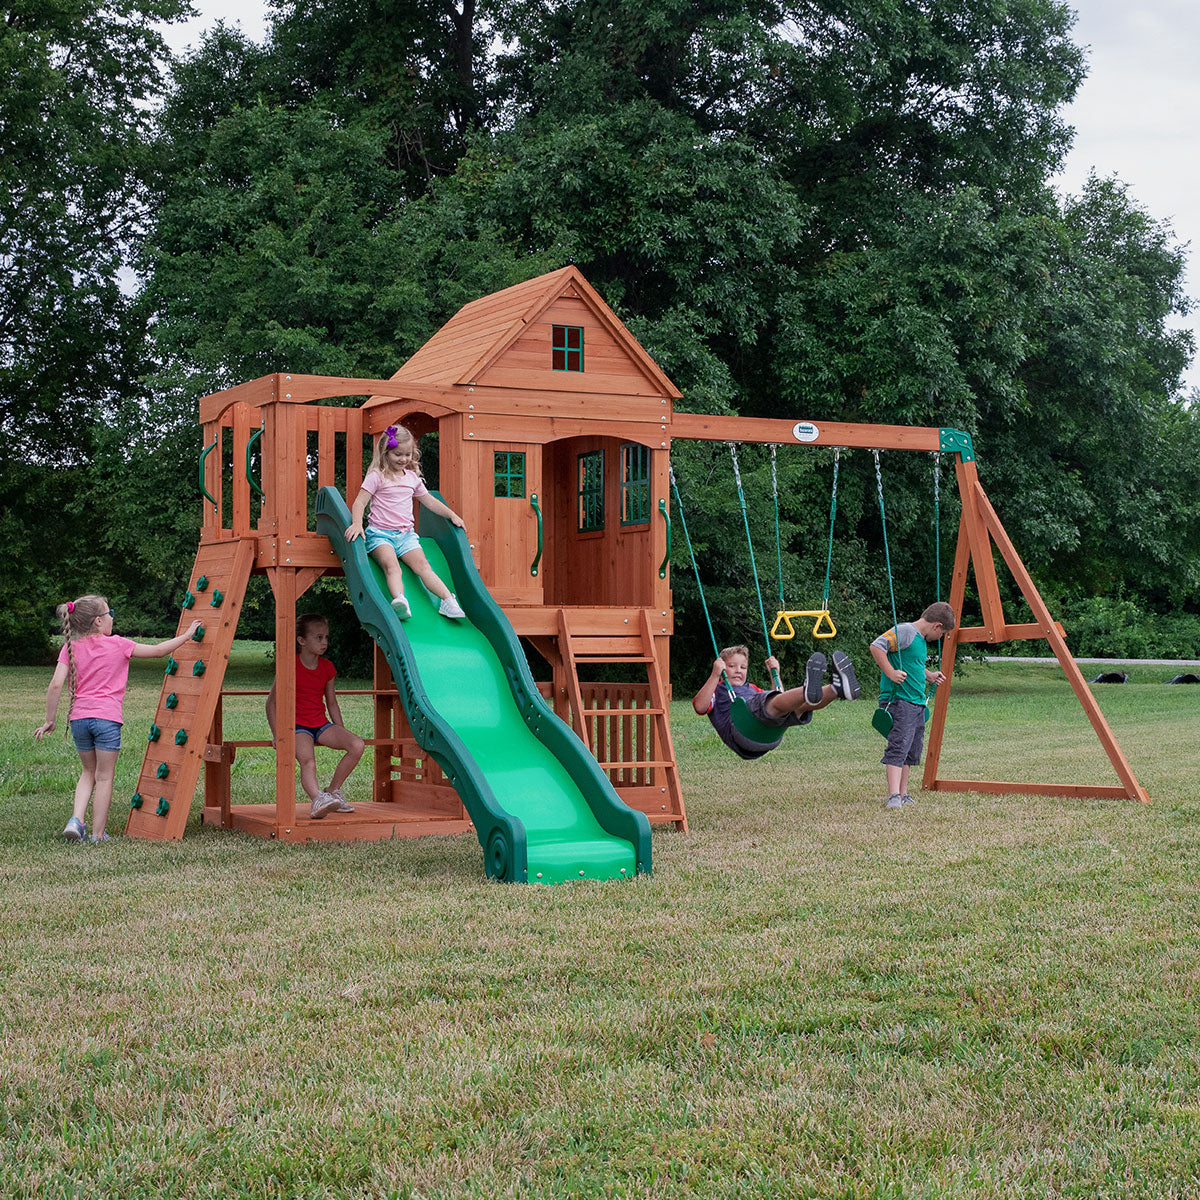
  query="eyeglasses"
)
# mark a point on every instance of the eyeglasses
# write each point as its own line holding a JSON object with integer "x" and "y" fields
{"x": 112, "y": 612}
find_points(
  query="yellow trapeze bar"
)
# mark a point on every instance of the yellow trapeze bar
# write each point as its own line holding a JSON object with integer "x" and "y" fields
{"x": 823, "y": 626}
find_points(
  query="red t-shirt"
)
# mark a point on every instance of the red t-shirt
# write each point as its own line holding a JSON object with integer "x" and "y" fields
{"x": 310, "y": 691}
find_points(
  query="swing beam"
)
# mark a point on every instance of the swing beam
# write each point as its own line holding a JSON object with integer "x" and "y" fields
{"x": 980, "y": 535}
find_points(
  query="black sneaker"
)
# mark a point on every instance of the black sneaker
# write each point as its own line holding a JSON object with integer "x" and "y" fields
{"x": 844, "y": 681}
{"x": 814, "y": 677}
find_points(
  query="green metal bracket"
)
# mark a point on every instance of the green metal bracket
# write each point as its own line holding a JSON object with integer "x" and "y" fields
{"x": 202, "y": 583}
{"x": 163, "y": 806}
{"x": 163, "y": 770}
{"x": 172, "y": 666}
{"x": 957, "y": 441}
{"x": 155, "y": 733}
{"x": 218, "y": 596}
{"x": 198, "y": 667}
{"x": 203, "y": 455}
{"x": 198, "y": 636}
{"x": 136, "y": 800}
{"x": 249, "y": 447}
{"x": 188, "y": 600}
{"x": 662, "y": 566}
{"x": 171, "y": 700}
{"x": 533, "y": 502}
{"x": 181, "y": 737}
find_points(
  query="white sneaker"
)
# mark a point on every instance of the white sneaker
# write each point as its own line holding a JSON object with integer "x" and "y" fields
{"x": 907, "y": 799}
{"x": 403, "y": 611}
{"x": 341, "y": 806}
{"x": 75, "y": 831}
{"x": 323, "y": 804}
{"x": 450, "y": 607}
{"x": 894, "y": 801}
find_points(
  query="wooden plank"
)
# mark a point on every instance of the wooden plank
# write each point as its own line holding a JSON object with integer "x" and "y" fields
{"x": 1058, "y": 644}
{"x": 1029, "y": 789}
{"x": 1008, "y": 633}
{"x": 354, "y": 455}
{"x": 700, "y": 427}
{"x": 241, "y": 485}
{"x": 255, "y": 393}
{"x": 326, "y": 428}
{"x": 284, "y": 584}
{"x": 986, "y": 583}
{"x": 537, "y": 428}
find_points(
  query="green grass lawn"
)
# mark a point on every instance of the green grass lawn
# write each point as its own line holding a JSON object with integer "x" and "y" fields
{"x": 976, "y": 996}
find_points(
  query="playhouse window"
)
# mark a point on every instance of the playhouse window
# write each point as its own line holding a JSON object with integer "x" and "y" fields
{"x": 509, "y": 474}
{"x": 591, "y": 491}
{"x": 635, "y": 484}
{"x": 567, "y": 352}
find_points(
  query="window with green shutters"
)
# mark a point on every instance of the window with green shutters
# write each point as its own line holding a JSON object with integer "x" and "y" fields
{"x": 509, "y": 474}
{"x": 591, "y": 491}
{"x": 635, "y": 484}
{"x": 567, "y": 353}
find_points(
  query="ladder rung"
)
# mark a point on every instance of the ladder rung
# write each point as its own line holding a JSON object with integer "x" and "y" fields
{"x": 622, "y": 712}
{"x": 610, "y": 658}
{"x": 625, "y": 766}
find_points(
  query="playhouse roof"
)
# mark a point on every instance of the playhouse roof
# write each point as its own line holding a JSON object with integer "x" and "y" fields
{"x": 481, "y": 331}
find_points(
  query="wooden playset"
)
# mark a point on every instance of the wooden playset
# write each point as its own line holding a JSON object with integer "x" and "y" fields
{"x": 554, "y": 429}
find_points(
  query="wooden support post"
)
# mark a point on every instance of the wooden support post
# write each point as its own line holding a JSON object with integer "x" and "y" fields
{"x": 1066, "y": 660}
{"x": 283, "y": 580}
{"x": 981, "y": 550}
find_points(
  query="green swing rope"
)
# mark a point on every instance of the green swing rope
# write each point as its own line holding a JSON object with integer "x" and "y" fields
{"x": 778, "y": 546}
{"x": 887, "y": 558}
{"x": 699, "y": 586}
{"x": 737, "y": 475}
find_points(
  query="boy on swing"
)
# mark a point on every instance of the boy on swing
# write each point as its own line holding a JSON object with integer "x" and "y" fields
{"x": 901, "y": 654}
{"x": 778, "y": 709}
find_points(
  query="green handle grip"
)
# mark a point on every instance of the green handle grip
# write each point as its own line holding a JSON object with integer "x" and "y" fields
{"x": 204, "y": 455}
{"x": 662, "y": 566}
{"x": 533, "y": 501}
{"x": 249, "y": 447}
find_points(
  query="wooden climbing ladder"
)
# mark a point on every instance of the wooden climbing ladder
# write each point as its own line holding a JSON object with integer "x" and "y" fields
{"x": 175, "y": 748}
{"x": 644, "y": 771}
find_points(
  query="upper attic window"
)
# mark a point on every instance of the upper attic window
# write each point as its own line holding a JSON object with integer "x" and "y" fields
{"x": 567, "y": 348}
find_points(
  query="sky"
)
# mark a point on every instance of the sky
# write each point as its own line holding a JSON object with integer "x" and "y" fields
{"x": 1136, "y": 117}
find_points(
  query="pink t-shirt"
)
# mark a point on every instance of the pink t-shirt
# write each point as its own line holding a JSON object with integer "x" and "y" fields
{"x": 392, "y": 500}
{"x": 101, "y": 673}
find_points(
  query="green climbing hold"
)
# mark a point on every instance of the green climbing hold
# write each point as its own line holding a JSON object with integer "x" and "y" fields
{"x": 188, "y": 600}
{"x": 136, "y": 801}
{"x": 171, "y": 700}
{"x": 163, "y": 770}
{"x": 198, "y": 636}
{"x": 154, "y": 733}
{"x": 163, "y": 807}
{"x": 181, "y": 737}
{"x": 172, "y": 666}
{"x": 198, "y": 667}
{"x": 201, "y": 583}
{"x": 218, "y": 596}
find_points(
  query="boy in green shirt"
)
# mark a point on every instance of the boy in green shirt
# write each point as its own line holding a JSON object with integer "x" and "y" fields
{"x": 901, "y": 654}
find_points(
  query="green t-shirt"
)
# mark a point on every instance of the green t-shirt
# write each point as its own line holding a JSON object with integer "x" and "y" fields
{"x": 907, "y": 651}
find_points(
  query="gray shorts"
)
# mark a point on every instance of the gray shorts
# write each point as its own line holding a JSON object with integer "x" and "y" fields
{"x": 757, "y": 704}
{"x": 907, "y": 739}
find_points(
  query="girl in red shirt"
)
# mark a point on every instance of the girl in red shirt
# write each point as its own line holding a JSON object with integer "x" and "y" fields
{"x": 318, "y": 718}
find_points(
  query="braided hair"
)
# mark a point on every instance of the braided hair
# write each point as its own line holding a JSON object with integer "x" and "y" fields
{"x": 78, "y": 618}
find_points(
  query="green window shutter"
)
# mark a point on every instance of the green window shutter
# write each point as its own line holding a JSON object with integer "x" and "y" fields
{"x": 509, "y": 474}
{"x": 635, "y": 484}
{"x": 567, "y": 348}
{"x": 591, "y": 491}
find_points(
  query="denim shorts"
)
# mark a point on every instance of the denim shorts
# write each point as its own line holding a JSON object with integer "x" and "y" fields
{"x": 314, "y": 731}
{"x": 96, "y": 733}
{"x": 399, "y": 541}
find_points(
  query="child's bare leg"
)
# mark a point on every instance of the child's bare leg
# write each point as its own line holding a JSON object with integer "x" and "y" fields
{"x": 87, "y": 781}
{"x": 793, "y": 701}
{"x": 106, "y": 769}
{"x": 340, "y": 738}
{"x": 307, "y": 759}
{"x": 897, "y": 779}
{"x": 416, "y": 562}
{"x": 385, "y": 556}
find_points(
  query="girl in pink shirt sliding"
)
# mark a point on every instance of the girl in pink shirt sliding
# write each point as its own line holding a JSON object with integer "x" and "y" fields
{"x": 96, "y": 665}
{"x": 393, "y": 482}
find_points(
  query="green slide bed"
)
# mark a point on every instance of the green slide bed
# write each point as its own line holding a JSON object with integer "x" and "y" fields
{"x": 543, "y": 809}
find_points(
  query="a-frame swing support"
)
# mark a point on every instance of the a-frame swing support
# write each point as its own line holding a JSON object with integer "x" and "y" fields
{"x": 979, "y": 534}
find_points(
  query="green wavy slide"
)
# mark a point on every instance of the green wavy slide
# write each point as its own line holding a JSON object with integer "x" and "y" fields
{"x": 543, "y": 809}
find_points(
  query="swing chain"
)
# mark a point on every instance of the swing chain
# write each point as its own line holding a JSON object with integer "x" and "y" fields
{"x": 837, "y": 452}
{"x": 937, "y": 525}
{"x": 887, "y": 557}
